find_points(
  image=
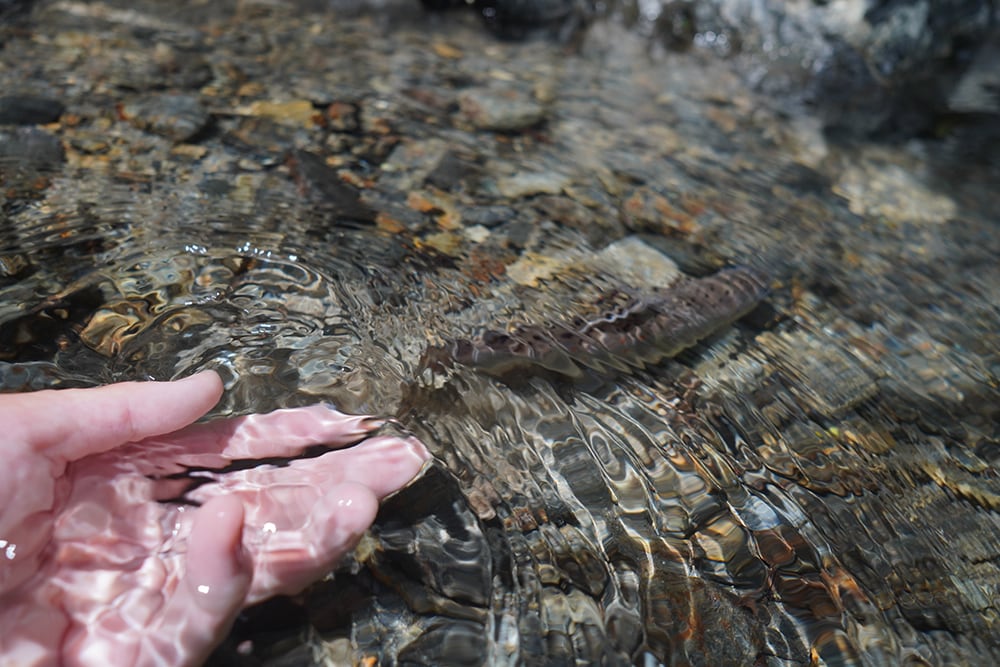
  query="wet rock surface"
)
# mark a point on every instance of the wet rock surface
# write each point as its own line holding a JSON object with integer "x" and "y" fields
{"x": 862, "y": 66}
{"x": 320, "y": 197}
{"x": 29, "y": 110}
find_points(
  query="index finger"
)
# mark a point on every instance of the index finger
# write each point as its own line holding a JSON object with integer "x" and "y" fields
{"x": 69, "y": 424}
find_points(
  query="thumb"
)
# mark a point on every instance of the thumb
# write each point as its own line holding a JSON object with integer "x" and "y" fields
{"x": 212, "y": 592}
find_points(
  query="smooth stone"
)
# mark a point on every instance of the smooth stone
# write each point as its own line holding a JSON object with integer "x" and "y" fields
{"x": 177, "y": 117}
{"x": 502, "y": 111}
{"x": 29, "y": 110}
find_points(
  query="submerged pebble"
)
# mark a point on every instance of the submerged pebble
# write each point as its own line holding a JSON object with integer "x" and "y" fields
{"x": 502, "y": 111}
{"x": 526, "y": 184}
{"x": 29, "y": 110}
{"x": 29, "y": 147}
{"x": 177, "y": 117}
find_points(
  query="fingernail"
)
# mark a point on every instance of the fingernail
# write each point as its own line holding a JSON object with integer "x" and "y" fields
{"x": 199, "y": 374}
{"x": 419, "y": 448}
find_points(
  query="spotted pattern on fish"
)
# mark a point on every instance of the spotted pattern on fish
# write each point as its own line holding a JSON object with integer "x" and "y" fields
{"x": 645, "y": 330}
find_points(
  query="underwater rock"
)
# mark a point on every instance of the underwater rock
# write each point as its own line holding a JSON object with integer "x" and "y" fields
{"x": 177, "y": 117}
{"x": 29, "y": 148}
{"x": 29, "y": 109}
{"x": 510, "y": 110}
{"x": 891, "y": 67}
{"x": 871, "y": 65}
{"x": 29, "y": 157}
{"x": 515, "y": 19}
{"x": 324, "y": 184}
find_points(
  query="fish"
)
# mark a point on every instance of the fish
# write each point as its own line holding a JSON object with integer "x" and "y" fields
{"x": 646, "y": 329}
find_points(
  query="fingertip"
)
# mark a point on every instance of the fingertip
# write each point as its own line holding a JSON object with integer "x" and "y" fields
{"x": 90, "y": 421}
{"x": 351, "y": 508}
{"x": 208, "y": 381}
{"x": 420, "y": 451}
{"x": 355, "y": 503}
{"x": 218, "y": 569}
{"x": 295, "y": 558}
{"x": 203, "y": 389}
{"x": 214, "y": 586}
{"x": 387, "y": 463}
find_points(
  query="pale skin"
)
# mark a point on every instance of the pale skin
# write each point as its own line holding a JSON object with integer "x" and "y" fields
{"x": 96, "y": 570}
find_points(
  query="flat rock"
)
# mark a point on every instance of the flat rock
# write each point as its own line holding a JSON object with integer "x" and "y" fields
{"x": 532, "y": 183}
{"x": 29, "y": 110}
{"x": 501, "y": 111}
{"x": 177, "y": 117}
{"x": 29, "y": 148}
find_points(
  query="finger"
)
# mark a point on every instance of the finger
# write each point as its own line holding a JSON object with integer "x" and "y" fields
{"x": 217, "y": 574}
{"x": 282, "y": 433}
{"x": 286, "y": 560}
{"x": 70, "y": 424}
{"x": 172, "y": 610}
{"x": 302, "y": 518}
{"x": 383, "y": 464}
{"x": 211, "y": 593}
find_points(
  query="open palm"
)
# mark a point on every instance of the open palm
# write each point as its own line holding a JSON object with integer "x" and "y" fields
{"x": 96, "y": 569}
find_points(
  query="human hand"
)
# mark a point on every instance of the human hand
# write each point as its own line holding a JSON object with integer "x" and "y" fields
{"x": 95, "y": 570}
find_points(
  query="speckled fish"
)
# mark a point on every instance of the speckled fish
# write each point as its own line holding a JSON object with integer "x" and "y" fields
{"x": 645, "y": 330}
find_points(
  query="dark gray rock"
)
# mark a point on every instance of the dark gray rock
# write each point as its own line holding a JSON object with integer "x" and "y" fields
{"x": 892, "y": 65}
{"x": 177, "y": 117}
{"x": 29, "y": 110}
{"x": 324, "y": 184}
{"x": 29, "y": 148}
{"x": 864, "y": 66}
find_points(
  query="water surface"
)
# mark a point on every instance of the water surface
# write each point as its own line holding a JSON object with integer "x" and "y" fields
{"x": 813, "y": 481}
